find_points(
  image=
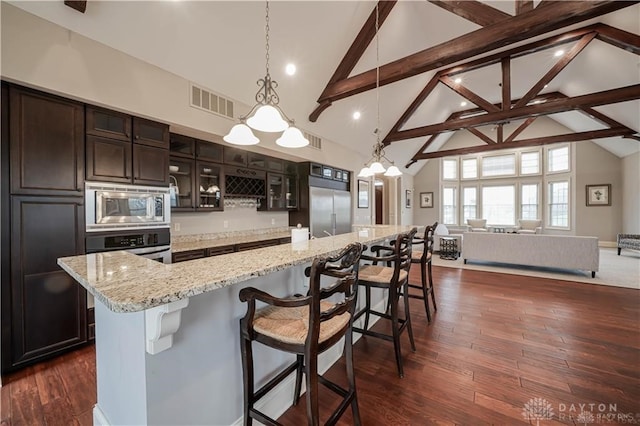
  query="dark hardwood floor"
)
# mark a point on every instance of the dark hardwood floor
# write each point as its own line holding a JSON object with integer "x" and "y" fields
{"x": 497, "y": 342}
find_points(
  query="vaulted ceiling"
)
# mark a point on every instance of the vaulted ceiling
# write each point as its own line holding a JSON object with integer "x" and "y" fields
{"x": 503, "y": 52}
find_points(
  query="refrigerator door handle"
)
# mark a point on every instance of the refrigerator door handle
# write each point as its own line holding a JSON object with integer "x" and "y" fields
{"x": 333, "y": 223}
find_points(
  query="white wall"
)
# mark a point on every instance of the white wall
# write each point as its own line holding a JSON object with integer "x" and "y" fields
{"x": 631, "y": 194}
{"x": 45, "y": 56}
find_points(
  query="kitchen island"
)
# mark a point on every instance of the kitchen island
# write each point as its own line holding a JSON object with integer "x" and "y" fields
{"x": 167, "y": 342}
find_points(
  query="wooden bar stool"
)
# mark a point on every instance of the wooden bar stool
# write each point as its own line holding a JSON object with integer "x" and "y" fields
{"x": 305, "y": 326}
{"x": 393, "y": 277}
{"x": 423, "y": 258}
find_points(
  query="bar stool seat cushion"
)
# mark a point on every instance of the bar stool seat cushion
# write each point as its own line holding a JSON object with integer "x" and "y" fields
{"x": 416, "y": 256}
{"x": 379, "y": 274}
{"x": 290, "y": 325}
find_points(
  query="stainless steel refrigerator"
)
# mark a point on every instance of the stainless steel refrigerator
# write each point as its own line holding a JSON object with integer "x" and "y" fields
{"x": 330, "y": 212}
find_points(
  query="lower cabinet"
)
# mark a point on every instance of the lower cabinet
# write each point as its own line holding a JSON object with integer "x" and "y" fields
{"x": 48, "y": 307}
{"x": 220, "y": 250}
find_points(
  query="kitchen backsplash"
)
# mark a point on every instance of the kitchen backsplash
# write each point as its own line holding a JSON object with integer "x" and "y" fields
{"x": 230, "y": 220}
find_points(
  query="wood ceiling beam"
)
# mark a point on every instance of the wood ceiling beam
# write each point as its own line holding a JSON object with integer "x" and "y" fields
{"x": 622, "y": 94}
{"x": 520, "y": 129}
{"x": 523, "y": 6}
{"x": 415, "y": 104}
{"x": 506, "y": 83}
{"x": 80, "y": 6}
{"x": 569, "y": 137}
{"x": 474, "y": 11}
{"x": 357, "y": 49}
{"x": 620, "y": 38}
{"x": 468, "y": 94}
{"x": 518, "y": 28}
{"x": 555, "y": 70}
{"x": 480, "y": 135}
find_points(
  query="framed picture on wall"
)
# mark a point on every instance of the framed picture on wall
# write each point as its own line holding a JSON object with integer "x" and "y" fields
{"x": 599, "y": 195}
{"x": 408, "y": 194}
{"x": 426, "y": 199}
{"x": 363, "y": 194}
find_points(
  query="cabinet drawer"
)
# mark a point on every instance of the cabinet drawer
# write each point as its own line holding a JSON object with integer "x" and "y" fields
{"x": 187, "y": 255}
{"x": 217, "y": 251}
{"x": 258, "y": 244}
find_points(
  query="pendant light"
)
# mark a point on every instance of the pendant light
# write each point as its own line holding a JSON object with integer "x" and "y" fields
{"x": 375, "y": 166}
{"x": 266, "y": 115}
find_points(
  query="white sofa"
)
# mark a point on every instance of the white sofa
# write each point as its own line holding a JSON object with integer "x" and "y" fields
{"x": 531, "y": 226}
{"x": 556, "y": 251}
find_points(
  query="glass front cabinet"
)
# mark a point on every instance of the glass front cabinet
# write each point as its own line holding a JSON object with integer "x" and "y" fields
{"x": 209, "y": 186}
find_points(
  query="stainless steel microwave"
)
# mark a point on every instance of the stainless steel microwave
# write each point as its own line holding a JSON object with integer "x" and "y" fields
{"x": 110, "y": 206}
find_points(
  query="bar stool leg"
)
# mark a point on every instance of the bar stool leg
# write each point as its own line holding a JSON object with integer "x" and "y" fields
{"x": 367, "y": 307}
{"x": 407, "y": 316}
{"x": 311, "y": 371}
{"x": 351, "y": 377}
{"x": 299, "y": 371}
{"x": 431, "y": 289}
{"x": 425, "y": 291}
{"x": 395, "y": 329}
{"x": 247, "y": 369}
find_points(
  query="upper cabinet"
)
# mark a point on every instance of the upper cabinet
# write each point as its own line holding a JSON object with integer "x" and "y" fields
{"x": 235, "y": 156}
{"x": 116, "y": 154}
{"x": 46, "y": 142}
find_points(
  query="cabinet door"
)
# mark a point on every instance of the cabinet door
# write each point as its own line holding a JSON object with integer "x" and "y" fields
{"x": 150, "y": 165}
{"x": 46, "y": 144}
{"x": 151, "y": 133}
{"x": 275, "y": 164}
{"x": 48, "y": 312}
{"x": 107, "y": 123}
{"x": 256, "y": 161}
{"x": 209, "y": 184}
{"x": 291, "y": 192}
{"x": 209, "y": 151}
{"x": 181, "y": 182}
{"x": 182, "y": 146}
{"x": 235, "y": 156}
{"x": 108, "y": 160}
{"x": 275, "y": 192}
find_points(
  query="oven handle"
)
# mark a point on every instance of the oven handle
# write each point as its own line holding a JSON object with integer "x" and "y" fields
{"x": 149, "y": 250}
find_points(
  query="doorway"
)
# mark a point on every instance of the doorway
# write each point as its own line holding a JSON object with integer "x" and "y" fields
{"x": 379, "y": 190}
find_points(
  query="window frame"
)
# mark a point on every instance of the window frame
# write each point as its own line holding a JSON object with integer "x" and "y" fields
{"x": 481, "y": 174}
{"x": 538, "y": 185}
{"x": 456, "y": 210}
{"x": 540, "y": 165}
{"x": 478, "y": 205}
{"x": 457, "y": 169}
{"x": 513, "y": 185}
{"x": 462, "y": 161}
{"x": 547, "y": 204}
{"x": 547, "y": 162}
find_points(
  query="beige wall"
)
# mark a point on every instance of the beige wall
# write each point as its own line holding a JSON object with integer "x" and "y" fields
{"x": 45, "y": 56}
{"x": 631, "y": 194}
{"x": 597, "y": 166}
{"x": 591, "y": 165}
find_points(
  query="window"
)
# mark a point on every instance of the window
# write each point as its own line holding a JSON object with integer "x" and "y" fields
{"x": 500, "y": 165}
{"x": 529, "y": 201}
{"x": 530, "y": 163}
{"x": 449, "y": 169}
{"x": 559, "y": 204}
{"x": 558, "y": 159}
{"x": 449, "y": 206}
{"x": 499, "y": 204}
{"x": 469, "y": 203}
{"x": 469, "y": 168}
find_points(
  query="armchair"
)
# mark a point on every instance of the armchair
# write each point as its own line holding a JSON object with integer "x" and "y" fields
{"x": 477, "y": 225}
{"x": 532, "y": 226}
{"x": 628, "y": 241}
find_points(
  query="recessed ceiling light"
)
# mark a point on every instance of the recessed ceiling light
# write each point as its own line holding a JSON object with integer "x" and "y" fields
{"x": 356, "y": 115}
{"x": 463, "y": 103}
{"x": 290, "y": 69}
{"x": 546, "y": 85}
{"x": 558, "y": 53}
{"x": 457, "y": 80}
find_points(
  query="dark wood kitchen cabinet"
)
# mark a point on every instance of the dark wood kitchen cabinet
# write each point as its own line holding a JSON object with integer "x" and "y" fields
{"x": 48, "y": 307}
{"x": 46, "y": 143}
{"x": 116, "y": 154}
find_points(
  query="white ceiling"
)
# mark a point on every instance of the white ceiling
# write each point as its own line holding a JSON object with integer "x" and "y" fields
{"x": 220, "y": 45}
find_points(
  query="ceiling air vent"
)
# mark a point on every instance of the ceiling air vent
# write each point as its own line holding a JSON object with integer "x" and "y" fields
{"x": 314, "y": 141}
{"x": 209, "y": 101}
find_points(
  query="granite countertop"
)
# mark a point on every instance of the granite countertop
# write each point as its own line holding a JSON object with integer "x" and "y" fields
{"x": 204, "y": 242}
{"x": 125, "y": 282}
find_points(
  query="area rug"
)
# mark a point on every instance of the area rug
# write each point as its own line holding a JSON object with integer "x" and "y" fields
{"x": 617, "y": 271}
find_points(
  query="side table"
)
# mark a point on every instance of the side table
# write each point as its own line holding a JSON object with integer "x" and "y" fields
{"x": 448, "y": 248}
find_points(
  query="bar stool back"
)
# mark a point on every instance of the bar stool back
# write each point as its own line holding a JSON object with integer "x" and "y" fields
{"x": 423, "y": 258}
{"x": 305, "y": 326}
{"x": 393, "y": 277}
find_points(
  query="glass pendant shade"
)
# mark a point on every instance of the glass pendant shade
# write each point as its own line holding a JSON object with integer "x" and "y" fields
{"x": 267, "y": 119}
{"x": 365, "y": 172}
{"x": 393, "y": 171}
{"x": 292, "y": 138}
{"x": 241, "y": 134}
{"x": 376, "y": 167}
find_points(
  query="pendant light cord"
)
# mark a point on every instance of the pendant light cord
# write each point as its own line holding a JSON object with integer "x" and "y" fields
{"x": 377, "y": 81}
{"x": 266, "y": 27}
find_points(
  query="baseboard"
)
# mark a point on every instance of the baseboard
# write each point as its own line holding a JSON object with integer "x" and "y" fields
{"x": 608, "y": 244}
{"x": 99, "y": 419}
{"x": 276, "y": 402}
